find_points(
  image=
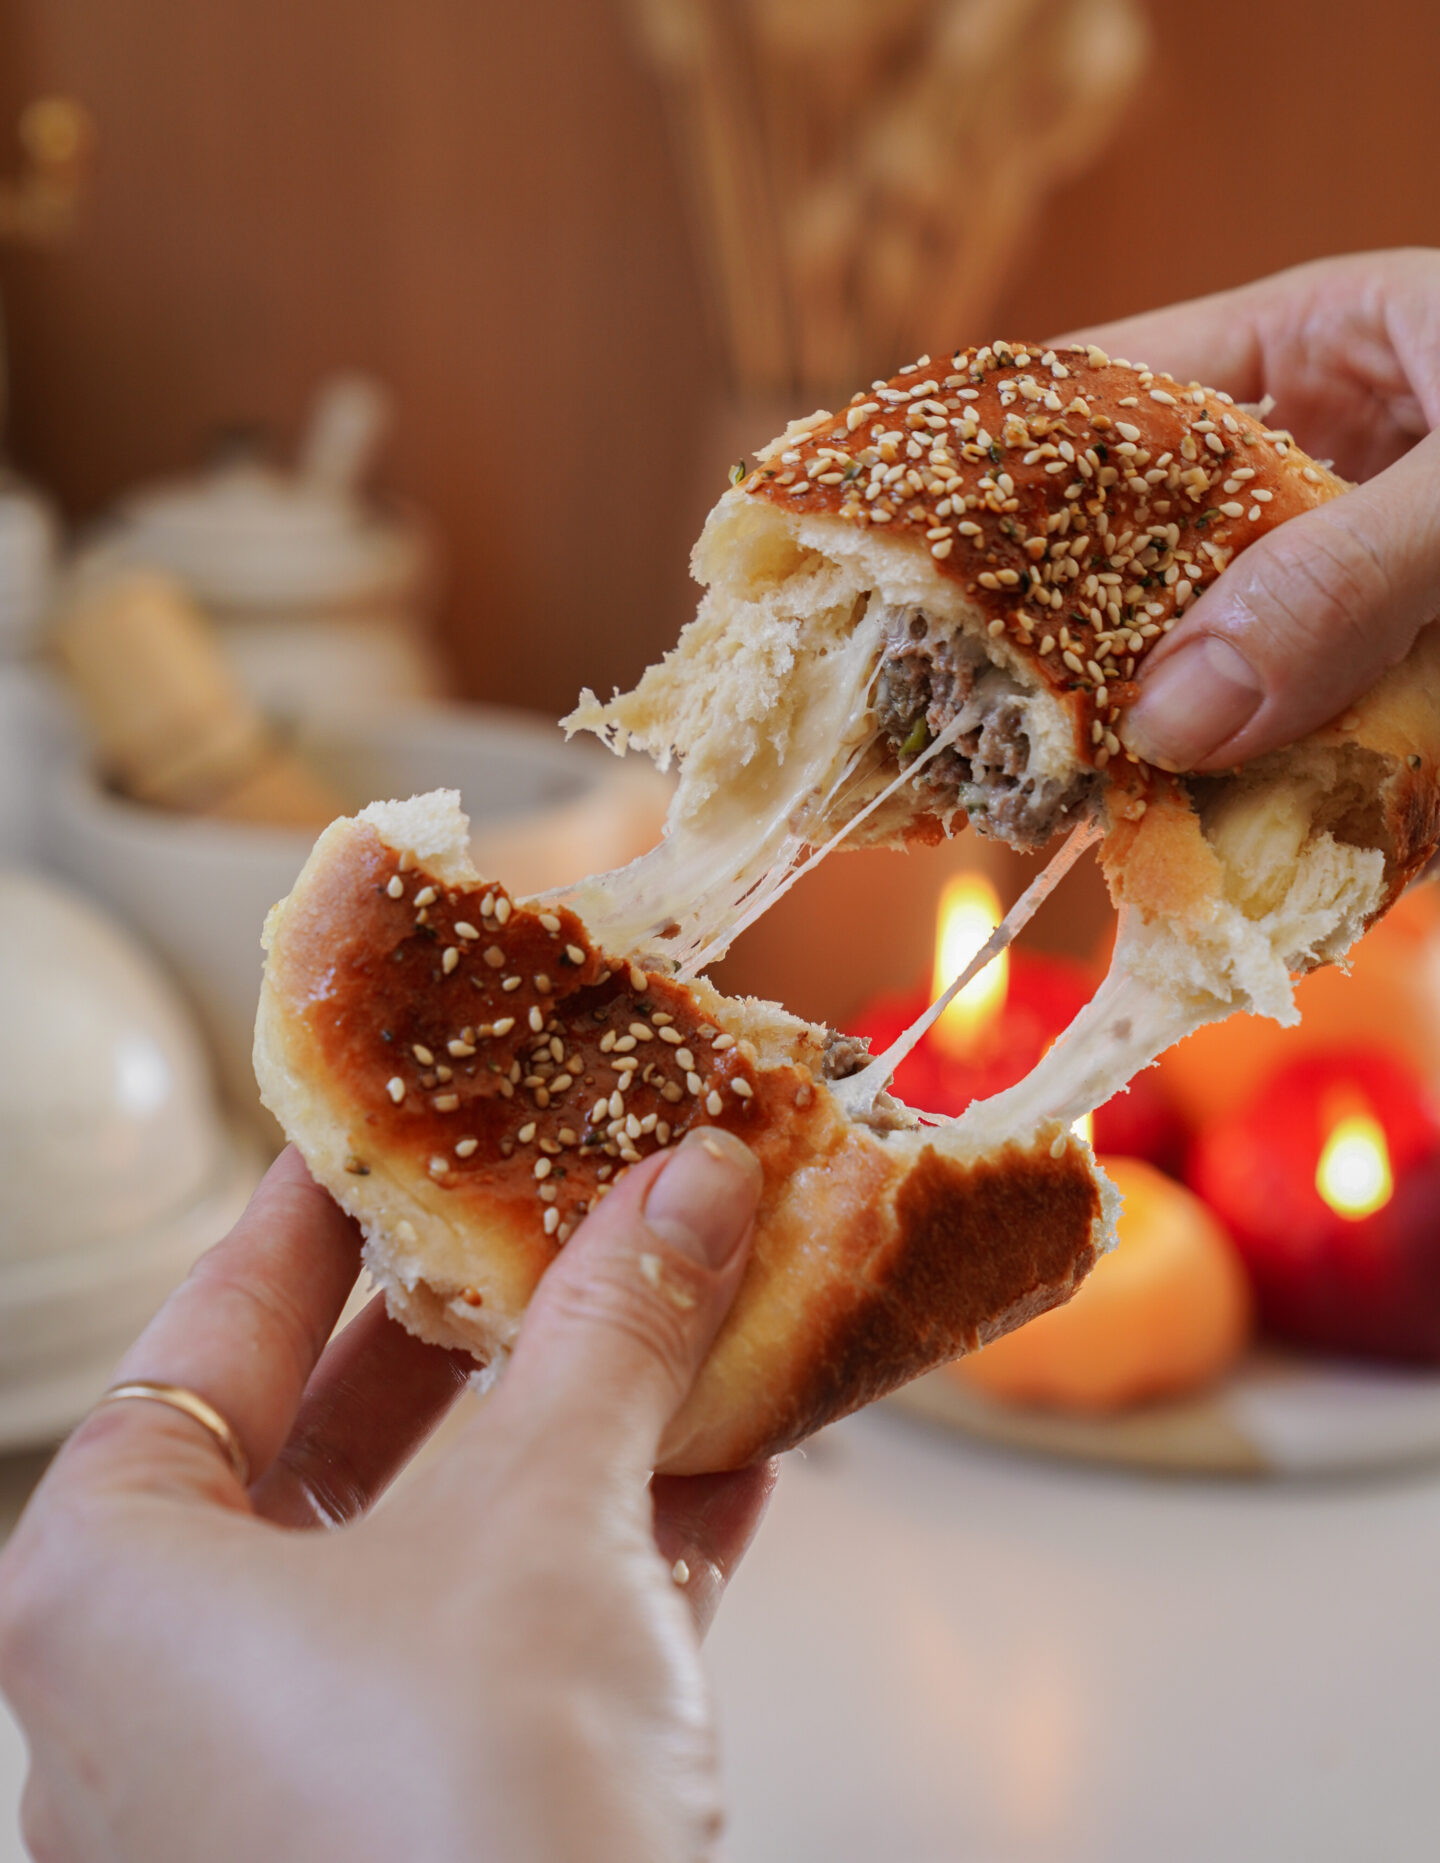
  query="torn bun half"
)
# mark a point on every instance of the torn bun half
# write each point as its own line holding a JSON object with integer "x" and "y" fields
{"x": 934, "y": 604}
{"x": 466, "y": 1074}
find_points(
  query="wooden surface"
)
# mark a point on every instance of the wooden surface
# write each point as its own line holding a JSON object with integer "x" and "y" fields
{"x": 475, "y": 199}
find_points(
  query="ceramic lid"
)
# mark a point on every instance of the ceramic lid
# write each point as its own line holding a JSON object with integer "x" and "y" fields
{"x": 247, "y": 534}
{"x": 107, "y": 1118}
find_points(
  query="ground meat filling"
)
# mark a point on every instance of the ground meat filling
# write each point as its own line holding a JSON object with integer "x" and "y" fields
{"x": 930, "y": 676}
{"x": 848, "y": 1054}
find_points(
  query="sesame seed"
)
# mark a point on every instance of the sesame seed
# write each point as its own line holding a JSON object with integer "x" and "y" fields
{"x": 671, "y": 1093}
{"x": 503, "y": 1026}
{"x": 616, "y": 1104}
{"x": 395, "y": 1087}
{"x": 551, "y": 1220}
{"x": 542, "y": 1169}
{"x": 439, "y": 1166}
{"x": 423, "y": 1055}
{"x": 575, "y": 954}
{"x": 549, "y": 921}
{"x": 1232, "y": 510}
{"x": 464, "y": 929}
{"x": 742, "y": 1088}
{"x": 638, "y": 980}
{"x": 465, "y": 1148}
{"x": 714, "y": 1105}
{"x": 445, "y": 1102}
{"x": 406, "y": 860}
{"x": 396, "y": 887}
{"x": 449, "y": 958}
{"x": 527, "y": 1133}
{"x": 721, "y": 1042}
{"x": 507, "y": 984}
{"x": 494, "y": 957}
{"x": 642, "y": 1031}
{"x": 426, "y": 896}
{"x": 460, "y": 1049}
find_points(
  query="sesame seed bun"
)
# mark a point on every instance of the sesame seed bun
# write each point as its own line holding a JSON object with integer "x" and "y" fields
{"x": 426, "y": 1099}
{"x": 1045, "y": 518}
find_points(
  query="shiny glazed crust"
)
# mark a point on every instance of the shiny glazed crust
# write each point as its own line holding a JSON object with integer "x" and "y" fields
{"x": 876, "y": 1257}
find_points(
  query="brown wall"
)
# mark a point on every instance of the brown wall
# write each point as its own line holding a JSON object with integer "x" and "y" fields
{"x": 474, "y": 199}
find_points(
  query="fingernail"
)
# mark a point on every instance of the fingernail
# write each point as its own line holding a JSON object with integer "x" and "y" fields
{"x": 1191, "y": 704}
{"x": 704, "y": 1198}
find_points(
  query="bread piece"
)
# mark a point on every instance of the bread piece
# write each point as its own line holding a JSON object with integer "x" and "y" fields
{"x": 991, "y": 547}
{"x": 387, "y": 1041}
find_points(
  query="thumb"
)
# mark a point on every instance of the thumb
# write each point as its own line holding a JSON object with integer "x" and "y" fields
{"x": 1298, "y": 627}
{"x": 622, "y": 1321}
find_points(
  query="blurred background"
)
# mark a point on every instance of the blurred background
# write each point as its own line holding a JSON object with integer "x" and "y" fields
{"x": 369, "y": 368}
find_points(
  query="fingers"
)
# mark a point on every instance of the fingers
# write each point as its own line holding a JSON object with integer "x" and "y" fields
{"x": 244, "y": 1331}
{"x": 621, "y": 1322}
{"x": 1300, "y": 626}
{"x": 707, "y": 1522}
{"x": 1211, "y": 340}
{"x": 376, "y": 1395}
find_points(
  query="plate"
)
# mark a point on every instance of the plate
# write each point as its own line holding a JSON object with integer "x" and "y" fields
{"x": 1276, "y": 1415}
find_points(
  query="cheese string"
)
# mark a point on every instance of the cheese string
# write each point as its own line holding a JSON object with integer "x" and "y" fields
{"x": 858, "y": 1093}
{"x": 761, "y": 900}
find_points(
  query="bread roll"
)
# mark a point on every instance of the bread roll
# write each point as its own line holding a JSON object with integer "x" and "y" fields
{"x": 991, "y": 547}
{"x": 466, "y": 1074}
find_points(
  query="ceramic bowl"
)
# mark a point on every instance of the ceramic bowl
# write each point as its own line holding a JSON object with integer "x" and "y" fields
{"x": 542, "y": 812}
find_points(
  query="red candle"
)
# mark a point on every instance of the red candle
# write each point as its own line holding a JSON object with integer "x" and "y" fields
{"x": 1329, "y": 1180}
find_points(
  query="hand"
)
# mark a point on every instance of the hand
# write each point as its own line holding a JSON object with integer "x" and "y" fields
{"x": 499, "y": 1665}
{"x": 1309, "y": 617}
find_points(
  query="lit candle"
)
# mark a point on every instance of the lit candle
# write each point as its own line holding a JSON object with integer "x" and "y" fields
{"x": 997, "y": 1028}
{"x": 1329, "y": 1180}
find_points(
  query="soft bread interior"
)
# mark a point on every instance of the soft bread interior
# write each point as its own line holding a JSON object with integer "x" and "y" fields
{"x": 770, "y": 706}
{"x": 1251, "y": 881}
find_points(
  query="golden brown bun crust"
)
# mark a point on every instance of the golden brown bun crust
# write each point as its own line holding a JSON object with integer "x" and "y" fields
{"x": 874, "y": 1258}
{"x": 1039, "y": 470}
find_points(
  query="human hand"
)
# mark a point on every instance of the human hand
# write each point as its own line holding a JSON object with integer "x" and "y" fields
{"x": 500, "y": 1665}
{"x": 1308, "y": 617}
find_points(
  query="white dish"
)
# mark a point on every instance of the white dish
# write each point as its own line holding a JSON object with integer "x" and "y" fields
{"x": 1277, "y": 1414}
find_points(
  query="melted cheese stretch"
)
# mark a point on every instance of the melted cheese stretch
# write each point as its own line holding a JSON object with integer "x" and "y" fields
{"x": 680, "y": 904}
{"x": 732, "y": 848}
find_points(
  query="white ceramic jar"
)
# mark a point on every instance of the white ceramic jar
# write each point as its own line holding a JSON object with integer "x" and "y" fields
{"x": 322, "y": 596}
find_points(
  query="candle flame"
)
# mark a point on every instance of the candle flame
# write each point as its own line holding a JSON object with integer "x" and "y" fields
{"x": 969, "y": 912}
{"x": 1353, "y": 1175}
